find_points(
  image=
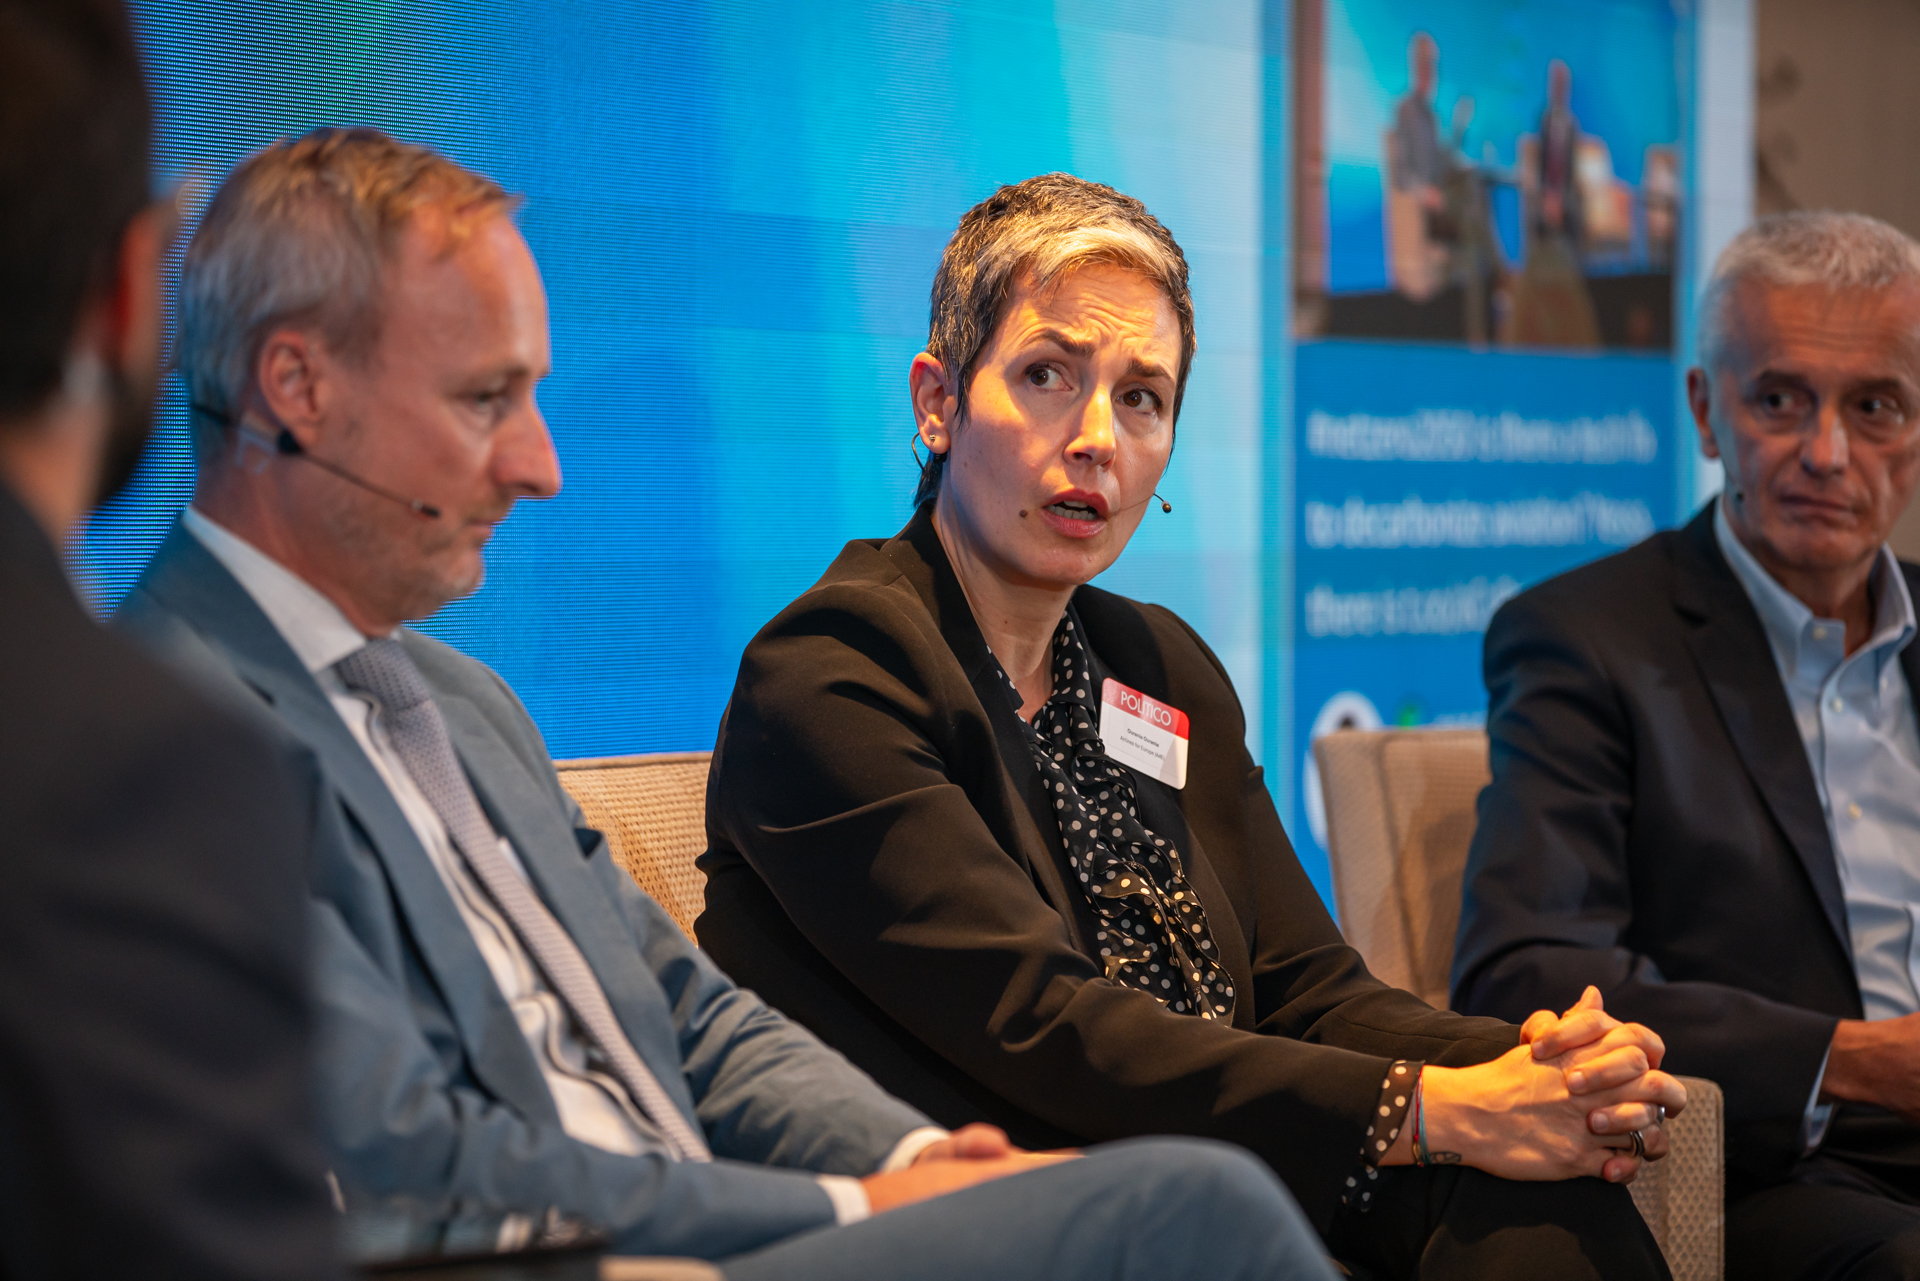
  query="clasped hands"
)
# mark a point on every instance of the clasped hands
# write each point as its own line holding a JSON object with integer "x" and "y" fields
{"x": 1562, "y": 1103}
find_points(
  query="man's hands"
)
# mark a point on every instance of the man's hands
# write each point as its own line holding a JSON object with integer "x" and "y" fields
{"x": 1547, "y": 1108}
{"x": 972, "y": 1154}
{"x": 1877, "y": 1063}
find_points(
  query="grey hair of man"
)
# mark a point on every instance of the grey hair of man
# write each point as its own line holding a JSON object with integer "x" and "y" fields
{"x": 1033, "y": 233}
{"x": 1840, "y": 251}
{"x": 302, "y": 234}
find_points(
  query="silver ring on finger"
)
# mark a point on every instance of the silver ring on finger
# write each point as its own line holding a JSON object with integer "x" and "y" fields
{"x": 1639, "y": 1144}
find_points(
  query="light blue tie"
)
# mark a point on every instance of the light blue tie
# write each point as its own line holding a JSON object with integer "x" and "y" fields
{"x": 385, "y": 672}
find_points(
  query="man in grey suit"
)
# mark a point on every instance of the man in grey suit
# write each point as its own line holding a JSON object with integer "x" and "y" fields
{"x": 517, "y": 1044}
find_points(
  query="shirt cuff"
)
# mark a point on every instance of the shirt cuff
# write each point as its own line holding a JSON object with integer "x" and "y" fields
{"x": 1813, "y": 1124}
{"x": 850, "y": 1204}
{"x": 908, "y": 1149}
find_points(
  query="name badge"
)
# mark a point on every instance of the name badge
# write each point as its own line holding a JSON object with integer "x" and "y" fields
{"x": 1142, "y": 734}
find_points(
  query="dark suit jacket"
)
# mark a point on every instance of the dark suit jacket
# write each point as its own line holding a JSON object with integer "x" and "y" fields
{"x": 155, "y": 1104}
{"x": 1653, "y": 828}
{"x": 885, "y": 866}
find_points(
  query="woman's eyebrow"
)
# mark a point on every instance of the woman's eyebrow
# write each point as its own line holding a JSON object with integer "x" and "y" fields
{"x": 1079, "y": 347}
{"x": 1138, "y": 368}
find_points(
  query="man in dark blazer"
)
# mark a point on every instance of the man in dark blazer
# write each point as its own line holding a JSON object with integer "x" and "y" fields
{"x": 517, "y": 1045}
{"x": 1706, "y": 776}
{"x": 155, "y": 1101}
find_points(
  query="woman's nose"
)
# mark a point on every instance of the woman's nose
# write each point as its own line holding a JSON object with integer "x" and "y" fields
{"x": 1094, "y": 441}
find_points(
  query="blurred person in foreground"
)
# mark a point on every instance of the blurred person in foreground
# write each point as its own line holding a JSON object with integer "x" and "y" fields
{"x": 155, "y": 1101}
{"x": 517, "y": 1044}
{"x": 996, "y": 834}
{"x": 1706, "y": 774}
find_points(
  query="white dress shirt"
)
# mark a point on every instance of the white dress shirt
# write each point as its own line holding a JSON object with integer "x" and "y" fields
{"x": 1857, "y": 724}
{"x": 594, "y": 1107}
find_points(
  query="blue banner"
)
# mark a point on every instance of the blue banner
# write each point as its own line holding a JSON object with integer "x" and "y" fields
{"x": 1431, "y": 484}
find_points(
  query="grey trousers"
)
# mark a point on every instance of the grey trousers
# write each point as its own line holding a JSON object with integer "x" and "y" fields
{"x": 1142, "y": 1210}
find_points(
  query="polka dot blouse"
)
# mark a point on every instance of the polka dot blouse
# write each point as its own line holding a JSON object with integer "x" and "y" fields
{"x": 1151, "y": 932}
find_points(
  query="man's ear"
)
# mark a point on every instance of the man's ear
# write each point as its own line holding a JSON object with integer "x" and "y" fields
{"x": 289, "y": 380}
{"x": 936, "y": 402}
{"x": 1700, "y": 402}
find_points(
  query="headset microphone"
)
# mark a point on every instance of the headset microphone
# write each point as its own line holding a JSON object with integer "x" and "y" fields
{"x": 285, "y": 445}
{"x": 1165, "y": 506}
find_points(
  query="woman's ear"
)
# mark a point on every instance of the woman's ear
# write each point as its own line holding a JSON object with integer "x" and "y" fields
{"x": 936, "y": 402}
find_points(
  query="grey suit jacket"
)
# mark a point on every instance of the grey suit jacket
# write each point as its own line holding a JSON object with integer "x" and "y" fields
{"x": 434, "y": 1106}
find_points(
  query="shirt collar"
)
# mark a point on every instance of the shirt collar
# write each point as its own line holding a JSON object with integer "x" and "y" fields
{"x": 311, "y": 624}
{"x": 1787, "y": 619}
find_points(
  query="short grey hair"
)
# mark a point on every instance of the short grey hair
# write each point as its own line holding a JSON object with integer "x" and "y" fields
{"x": 1837, "y": 250}
{"x": 301, "y": 233}
{"x": 1038, "y": 231}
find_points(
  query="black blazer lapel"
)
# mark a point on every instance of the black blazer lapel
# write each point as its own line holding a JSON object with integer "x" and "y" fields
{"x": 1730, "y": 647}
{"x": 190, "y": 581}
{"x": 922, "y": 561}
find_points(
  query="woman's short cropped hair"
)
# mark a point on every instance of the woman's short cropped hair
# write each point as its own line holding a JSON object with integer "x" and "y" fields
{"x": 302, "y": 233}
{"x": 1037, "y": 231}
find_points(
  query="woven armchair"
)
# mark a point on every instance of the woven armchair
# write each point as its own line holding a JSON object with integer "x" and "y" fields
{"x": 653, "y": 810}
{"x": 1400, "y": 815}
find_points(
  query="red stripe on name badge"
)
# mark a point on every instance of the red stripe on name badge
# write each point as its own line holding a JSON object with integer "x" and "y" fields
{"x": 1157, "y": 714}
{"x": 1143, "y": 734}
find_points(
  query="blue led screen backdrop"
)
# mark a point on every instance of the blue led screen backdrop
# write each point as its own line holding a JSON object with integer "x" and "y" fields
{"x": 737, "y": 209}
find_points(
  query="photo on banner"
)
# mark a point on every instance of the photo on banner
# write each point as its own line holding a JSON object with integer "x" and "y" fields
{"x": 1488, "y": 202}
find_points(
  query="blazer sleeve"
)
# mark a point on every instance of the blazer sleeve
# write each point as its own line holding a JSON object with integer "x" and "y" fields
{"x": 1309, "y": 982}
{"x": 424, "y": 1156}
{"x": 1549, "y": 902}
{"x": 843, "y": 778}
{"x": 766, "y": 1090}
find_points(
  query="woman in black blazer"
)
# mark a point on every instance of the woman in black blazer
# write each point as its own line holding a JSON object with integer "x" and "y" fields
{"x": 933, "y": 844}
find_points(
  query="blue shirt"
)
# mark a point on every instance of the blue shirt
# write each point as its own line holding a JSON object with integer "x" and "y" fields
{"x": 1857, "y": 723}
{"x": 1856, "y": 718}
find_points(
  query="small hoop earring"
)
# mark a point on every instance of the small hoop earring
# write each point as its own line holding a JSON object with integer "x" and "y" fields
{"x": 913, "y": 446}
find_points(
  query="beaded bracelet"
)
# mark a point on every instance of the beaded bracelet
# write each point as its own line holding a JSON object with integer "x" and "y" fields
{"x": 1420, "y": 1154}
